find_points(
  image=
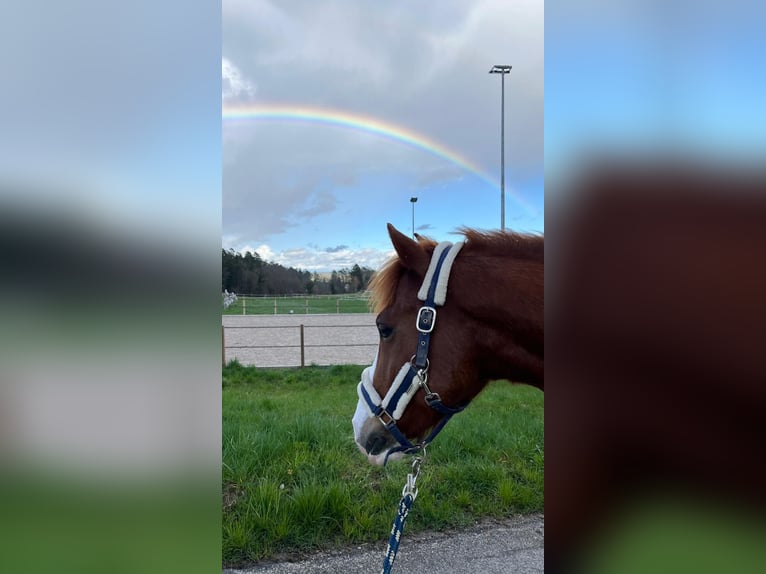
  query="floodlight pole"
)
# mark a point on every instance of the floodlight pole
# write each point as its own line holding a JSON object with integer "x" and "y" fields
{"x": 413, "y": 200}
{"x": 502, "y": 70}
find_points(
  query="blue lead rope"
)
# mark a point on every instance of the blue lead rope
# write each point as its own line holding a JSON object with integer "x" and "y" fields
{"x": 409, "y": 494}
{"x": 396, "y": 533}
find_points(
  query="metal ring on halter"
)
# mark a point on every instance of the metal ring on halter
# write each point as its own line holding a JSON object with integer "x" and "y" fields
{"x": 421, "y": 371}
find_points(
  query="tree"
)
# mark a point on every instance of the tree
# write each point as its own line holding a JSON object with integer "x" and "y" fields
{"x": 357, "y": 280}
{"x": 248, "y": 274}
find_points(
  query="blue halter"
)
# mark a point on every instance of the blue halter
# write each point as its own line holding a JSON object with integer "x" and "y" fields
{"x": 414, "y": 374}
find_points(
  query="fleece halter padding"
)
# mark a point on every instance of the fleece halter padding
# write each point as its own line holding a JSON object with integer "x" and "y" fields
{"x": 414, "y": 373}
{"x": 397, "y": 396}
{"x": 440, "y": 294}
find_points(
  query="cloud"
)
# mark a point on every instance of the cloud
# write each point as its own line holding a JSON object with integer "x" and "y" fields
{"x": 319, "y": 202}
{"x": 322, "y": 260}
{"x": 264, "y": 251}
{"x": 424, "y": 227}
{"x": 280, "y": 176}
{"x": 233, "y": 85}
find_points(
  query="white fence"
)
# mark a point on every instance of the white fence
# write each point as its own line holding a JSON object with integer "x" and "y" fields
{"x": 295, "y": 304}
{"x": 299, "y": 340}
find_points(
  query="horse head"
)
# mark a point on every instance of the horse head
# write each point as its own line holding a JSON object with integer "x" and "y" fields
{"x": 447, "y": 326}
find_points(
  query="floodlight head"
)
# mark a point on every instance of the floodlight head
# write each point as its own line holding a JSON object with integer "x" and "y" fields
{"x": 500, "y": 69}
{"x": 413, "y": 199}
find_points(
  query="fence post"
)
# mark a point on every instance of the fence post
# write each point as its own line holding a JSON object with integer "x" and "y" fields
{"x": 244, "y": 306}
{"x": 303, "y": 350}
{"x": 223, "y": 346}
{"x": 307, "y": 305}
{"x": 337, "y": 306}
{"x": 275, "y": 305}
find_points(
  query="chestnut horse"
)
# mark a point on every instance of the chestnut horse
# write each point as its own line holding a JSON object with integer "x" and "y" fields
{"x": 451, "y": 319}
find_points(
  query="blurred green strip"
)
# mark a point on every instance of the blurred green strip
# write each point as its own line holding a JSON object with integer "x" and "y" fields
{"x": 680, "y": 535}
{"x": 50, "y": 526}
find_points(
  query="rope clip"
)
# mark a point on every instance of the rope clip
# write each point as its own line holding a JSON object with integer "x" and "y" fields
{"x": 412, "y": 477}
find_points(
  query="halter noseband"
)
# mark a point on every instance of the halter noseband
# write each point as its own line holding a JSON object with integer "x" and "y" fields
{"x": 414, "y": 374}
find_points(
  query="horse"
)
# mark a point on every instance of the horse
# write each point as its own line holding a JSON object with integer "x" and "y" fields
{"x": 658, "y": 389}
{"x": 451, "y": 318}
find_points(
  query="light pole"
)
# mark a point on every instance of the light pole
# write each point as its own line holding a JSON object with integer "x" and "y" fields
{"x": 413, "y": 201}
{"x": 502, "y": 70}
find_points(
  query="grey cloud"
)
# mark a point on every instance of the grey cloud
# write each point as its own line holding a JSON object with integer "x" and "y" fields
{"x": 278, "y": 177}
{"x": 427, "y": 69}
{"x": 318, "y": 203}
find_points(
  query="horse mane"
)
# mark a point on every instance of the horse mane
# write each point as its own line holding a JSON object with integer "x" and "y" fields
{"x": 507, "y": 243}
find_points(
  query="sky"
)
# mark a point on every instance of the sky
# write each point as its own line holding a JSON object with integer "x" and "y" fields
{"x": 335, "y": 114}
{"x": 652, "y": 76}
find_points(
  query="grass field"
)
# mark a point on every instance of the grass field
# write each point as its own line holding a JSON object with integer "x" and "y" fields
{"x": 293, "y": 480}
{"x": 310, "y": 305}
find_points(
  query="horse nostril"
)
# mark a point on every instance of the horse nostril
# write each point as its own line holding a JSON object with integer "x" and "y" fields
{"x": 375, "y": 444}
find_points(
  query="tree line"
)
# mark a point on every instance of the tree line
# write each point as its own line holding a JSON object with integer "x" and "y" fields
{"x": 248, "y": 274}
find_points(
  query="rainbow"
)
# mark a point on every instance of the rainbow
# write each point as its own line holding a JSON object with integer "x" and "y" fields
{"x": 369, "y": 124}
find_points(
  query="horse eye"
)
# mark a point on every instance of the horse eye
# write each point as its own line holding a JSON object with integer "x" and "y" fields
{"x": 385, "y": 332}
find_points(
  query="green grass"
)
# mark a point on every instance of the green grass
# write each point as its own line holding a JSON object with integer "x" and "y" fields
{"x": 300, "y": 305}
{"x": 294, "y": 481}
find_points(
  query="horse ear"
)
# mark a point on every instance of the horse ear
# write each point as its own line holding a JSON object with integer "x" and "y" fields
{"x": 410, "y": 253}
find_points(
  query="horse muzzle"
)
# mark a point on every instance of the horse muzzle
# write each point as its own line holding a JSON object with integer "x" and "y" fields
{"x": 371, "y": 437}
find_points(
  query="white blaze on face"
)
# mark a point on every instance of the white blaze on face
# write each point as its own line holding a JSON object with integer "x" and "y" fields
{"x": 362, "y": 410}
{"x": 362, "y": 415}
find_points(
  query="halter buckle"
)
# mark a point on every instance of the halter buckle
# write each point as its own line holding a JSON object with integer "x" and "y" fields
{"x": 426, "y": 319}
{"x": 385, "y": 413}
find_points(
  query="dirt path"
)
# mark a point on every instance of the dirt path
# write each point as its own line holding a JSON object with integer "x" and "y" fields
{"x": 514, "y": 545}
{"x": 274, "y": 340}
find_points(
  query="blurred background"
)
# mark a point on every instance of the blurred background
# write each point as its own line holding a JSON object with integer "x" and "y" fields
{"x": 110, "y": 175}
